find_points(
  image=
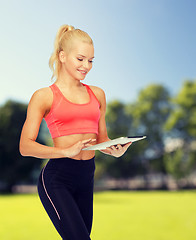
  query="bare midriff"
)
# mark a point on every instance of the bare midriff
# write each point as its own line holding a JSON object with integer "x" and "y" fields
{"x": 69, "y": 140}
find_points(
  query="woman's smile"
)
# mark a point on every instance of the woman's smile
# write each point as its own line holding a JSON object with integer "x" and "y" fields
{"x": 82, "y": 72}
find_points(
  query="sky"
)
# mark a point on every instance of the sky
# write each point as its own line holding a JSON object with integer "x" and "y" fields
{"x": 137, "y": 43}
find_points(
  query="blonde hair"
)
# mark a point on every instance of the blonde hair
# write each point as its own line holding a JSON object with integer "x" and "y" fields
{"x": 64, "y": 37}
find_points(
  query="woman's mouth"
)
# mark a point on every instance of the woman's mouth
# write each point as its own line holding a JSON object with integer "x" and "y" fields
{"x": 83, "y": 72}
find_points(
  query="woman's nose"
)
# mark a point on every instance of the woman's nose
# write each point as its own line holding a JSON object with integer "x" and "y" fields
{"x": 86, "y": 64}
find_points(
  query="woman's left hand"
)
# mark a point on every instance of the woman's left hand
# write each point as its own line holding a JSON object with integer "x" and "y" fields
{"x": 116, "y": 151}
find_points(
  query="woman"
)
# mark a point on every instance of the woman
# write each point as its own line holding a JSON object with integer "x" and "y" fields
{"x": 75, "y": 115}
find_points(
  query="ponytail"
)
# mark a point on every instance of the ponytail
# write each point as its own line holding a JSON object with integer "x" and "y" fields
{"x": 62, "y": 43}
{"x": 54, "y": 62}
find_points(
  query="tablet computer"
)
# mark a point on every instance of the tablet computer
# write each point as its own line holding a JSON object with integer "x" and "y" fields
{"x": 116, "y": 141}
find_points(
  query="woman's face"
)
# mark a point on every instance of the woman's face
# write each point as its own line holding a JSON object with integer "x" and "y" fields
{"x": 78, "y": 61}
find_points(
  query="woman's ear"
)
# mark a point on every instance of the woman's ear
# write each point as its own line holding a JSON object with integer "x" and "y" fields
{"x": 62, "y": 56}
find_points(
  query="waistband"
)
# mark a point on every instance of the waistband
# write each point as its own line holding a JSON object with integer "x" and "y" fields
{"x": 59, "y": 163}
{"x": 71, "y": 159}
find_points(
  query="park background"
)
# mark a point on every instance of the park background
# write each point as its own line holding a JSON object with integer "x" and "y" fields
{"x": 145, "y": 62}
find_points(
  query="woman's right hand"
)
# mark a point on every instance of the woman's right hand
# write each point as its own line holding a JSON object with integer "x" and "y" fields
{"x": 77, "y": 147}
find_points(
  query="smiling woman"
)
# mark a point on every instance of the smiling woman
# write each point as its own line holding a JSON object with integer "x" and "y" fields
{"x": 78, "y": 59}
{"x": 75, "y": 115}
{"x": 64, "y": 43}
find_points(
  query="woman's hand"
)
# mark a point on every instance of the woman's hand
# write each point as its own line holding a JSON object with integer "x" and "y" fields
{"x": 77, "y": 147}
{"x": 116, "y": 151}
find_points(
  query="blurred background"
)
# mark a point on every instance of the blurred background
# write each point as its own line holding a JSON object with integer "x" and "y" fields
{"x": 145, "y": 62}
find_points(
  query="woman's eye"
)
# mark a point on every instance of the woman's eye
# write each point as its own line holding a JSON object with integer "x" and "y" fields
{"x": 80, "y": 59}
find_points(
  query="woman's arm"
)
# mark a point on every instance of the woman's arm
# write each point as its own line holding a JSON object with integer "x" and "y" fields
{"x": 39, "y": 105}
{"x": 116, "y": 151}
{"x": 102, "y": 130}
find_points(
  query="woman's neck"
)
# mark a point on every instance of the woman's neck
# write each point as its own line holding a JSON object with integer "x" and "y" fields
{"x": 68, "y": 82}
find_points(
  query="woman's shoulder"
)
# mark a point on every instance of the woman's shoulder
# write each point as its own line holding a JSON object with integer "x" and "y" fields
{"x": 100, "y": 95}
{"x": 42, "y": 93}
{"x": 97, "y": 91}
{"x": 42, "y": 98}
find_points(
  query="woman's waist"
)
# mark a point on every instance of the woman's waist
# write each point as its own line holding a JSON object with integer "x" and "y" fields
{"x": 69, "y": 140}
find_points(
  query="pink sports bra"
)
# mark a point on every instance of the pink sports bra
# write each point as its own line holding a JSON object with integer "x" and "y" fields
{"x": 67, "y": 118}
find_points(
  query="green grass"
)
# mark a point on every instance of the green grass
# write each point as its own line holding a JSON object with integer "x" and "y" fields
{"x": 117, "y": 216}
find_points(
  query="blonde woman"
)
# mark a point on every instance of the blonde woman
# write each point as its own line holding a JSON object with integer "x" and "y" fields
{"x": 75, "y": 115}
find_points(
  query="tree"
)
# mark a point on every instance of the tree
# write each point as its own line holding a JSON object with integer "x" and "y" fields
{"x": 182, "y": 120}
{"x": 13, "y": 167}
{"x": 149, "y": 114}
{"x": 182, "y": 125}
{"x": 118, "y": 125}
{"x": 118, "y": 122}
{"x": 179, "y": 163}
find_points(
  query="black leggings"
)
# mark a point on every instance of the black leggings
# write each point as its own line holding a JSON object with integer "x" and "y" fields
{"x": 65, "y": 188}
